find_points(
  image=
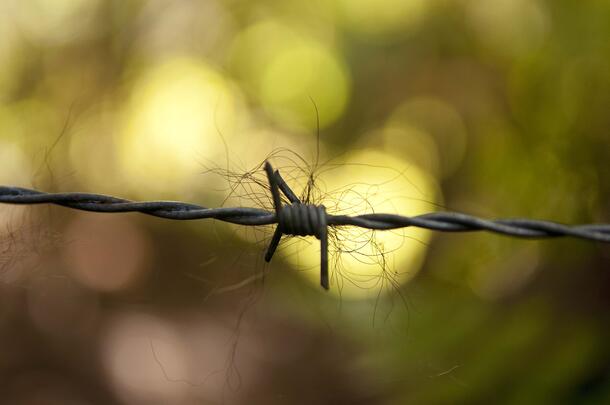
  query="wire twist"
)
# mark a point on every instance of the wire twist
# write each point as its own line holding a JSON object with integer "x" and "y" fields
{"x": 297, "y": 219}
{"x": 301, "y": 219}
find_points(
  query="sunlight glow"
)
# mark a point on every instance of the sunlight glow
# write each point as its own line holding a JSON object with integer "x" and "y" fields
{"x": 284, "y": 68}
{"x": 365, "y": 263}
{"x": 175, "y": 114}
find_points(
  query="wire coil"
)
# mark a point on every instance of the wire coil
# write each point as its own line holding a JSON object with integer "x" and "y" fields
{"x": 302, "y": 219}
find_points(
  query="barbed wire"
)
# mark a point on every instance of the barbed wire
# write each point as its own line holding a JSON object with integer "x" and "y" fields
{"x": 301, "y": 219}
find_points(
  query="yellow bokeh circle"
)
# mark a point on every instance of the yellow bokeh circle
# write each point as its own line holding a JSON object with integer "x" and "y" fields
{"x": 365, "y": 263}
{"x": 286, "y": 69}
{"x": 175, "y": 114}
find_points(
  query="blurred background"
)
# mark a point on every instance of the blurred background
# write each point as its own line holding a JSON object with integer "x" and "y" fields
{"x": 497, "y": 109}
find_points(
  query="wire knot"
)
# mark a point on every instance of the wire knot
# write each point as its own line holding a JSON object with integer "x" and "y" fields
{"x": 302, "y": 219}
{"x": 297, "y": 219}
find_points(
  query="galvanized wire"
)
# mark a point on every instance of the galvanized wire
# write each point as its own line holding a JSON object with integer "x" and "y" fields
{"x": 305, "y": 219}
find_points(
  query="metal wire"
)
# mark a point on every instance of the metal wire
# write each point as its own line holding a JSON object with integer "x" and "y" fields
{"x": 305, "y": 219}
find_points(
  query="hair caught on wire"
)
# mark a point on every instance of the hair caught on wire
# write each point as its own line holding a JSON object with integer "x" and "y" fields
{"x": 302, "y": 219}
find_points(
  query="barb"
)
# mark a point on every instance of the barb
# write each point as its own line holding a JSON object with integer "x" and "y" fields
{"x": 301, "y": 219}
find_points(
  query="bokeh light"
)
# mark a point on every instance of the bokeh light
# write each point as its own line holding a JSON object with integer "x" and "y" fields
{"x": 286, "y": 69}
{"x": 385, "y": 20}
{"x": 10, "y": 58}
{"x": 106, "y": 253}
{"x": 515, "y": 27}
{"x": 368, "y": 263}
{"x": 128, "y": 355}
{"x": 175, "y": 113}
{"x": 16, "y": 166}
{"x": 54, "y": 21}
{"x": 185, "y": 27}
{"x": 430, "y": 131}
{"x": 501, "y": 105}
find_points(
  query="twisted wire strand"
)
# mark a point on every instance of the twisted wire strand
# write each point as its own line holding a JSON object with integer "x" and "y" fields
{"x": 163, "y": 209}
{"x": 437, "y": 221}
{"x": 302, "y": 219}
